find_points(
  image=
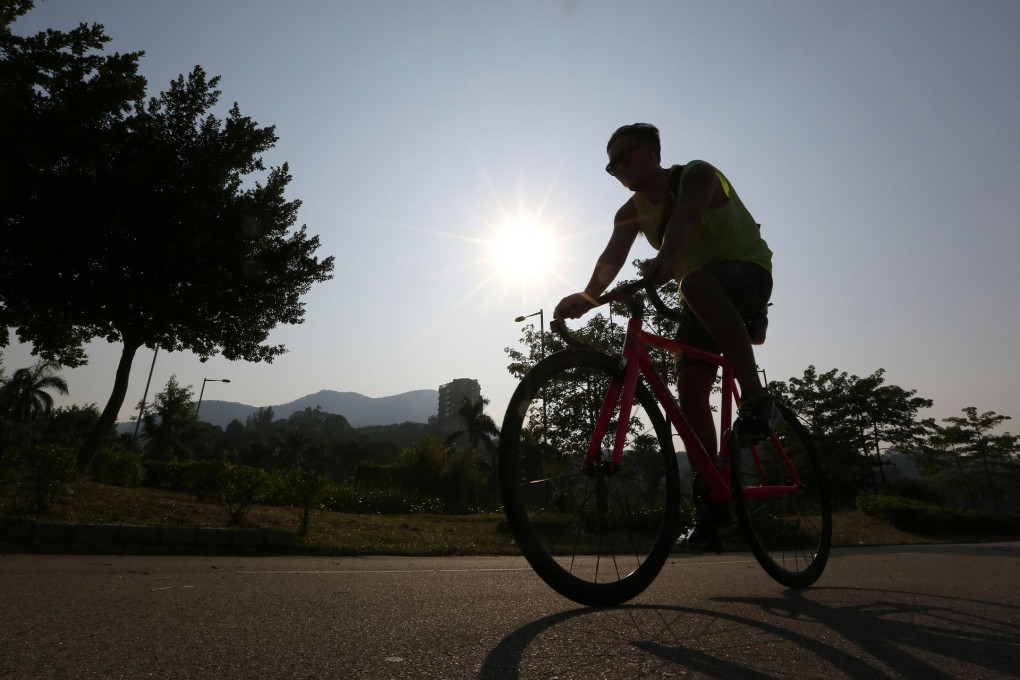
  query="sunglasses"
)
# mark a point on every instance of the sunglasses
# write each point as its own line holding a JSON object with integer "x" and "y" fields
{"x": 621, "y": 157}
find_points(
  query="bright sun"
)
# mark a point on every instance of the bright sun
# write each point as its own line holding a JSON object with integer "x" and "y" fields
{"x": 522, "y": 250}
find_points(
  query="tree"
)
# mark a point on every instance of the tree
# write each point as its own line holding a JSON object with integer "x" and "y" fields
{"x": 70, "y": 425}
{"x": 61, "y": 101}
{"x": 479, "y": 425}
{"x": 604, "y": 332}
{"x": 60, "y": 105}
{"x": 852, "y": 420}
{"x": 885, "y": 414}
{"x": 599, "y": 332}
{"x": 26, "y": 395}
{"x": 306, "y": 488}
{"x": 261, "y": 420}
{"x": 645, "y": 463}
{"x": 171, "y": 423}
{"x": 156, "y": 232}
{"x": 967, "y": 444}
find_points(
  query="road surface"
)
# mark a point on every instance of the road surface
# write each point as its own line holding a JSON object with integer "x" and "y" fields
{"x": 907, "y": 612}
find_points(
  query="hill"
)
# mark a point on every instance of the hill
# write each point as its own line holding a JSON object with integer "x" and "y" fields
{"x": 360, "y": 411}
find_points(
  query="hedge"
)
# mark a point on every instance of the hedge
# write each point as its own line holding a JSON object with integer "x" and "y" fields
{"x": 925, "y": 518}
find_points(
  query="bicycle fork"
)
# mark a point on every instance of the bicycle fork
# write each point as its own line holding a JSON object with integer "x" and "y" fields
{"x": 620, "y": 393}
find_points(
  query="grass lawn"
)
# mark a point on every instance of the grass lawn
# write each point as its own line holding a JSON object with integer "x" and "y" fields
{"x": 357, "y": 534}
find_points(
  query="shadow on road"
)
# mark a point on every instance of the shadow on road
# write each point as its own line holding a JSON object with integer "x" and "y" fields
{"x": 823, "y": 632}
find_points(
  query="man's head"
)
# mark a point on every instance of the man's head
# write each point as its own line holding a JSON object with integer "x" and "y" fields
{"x": 630, "y": 139}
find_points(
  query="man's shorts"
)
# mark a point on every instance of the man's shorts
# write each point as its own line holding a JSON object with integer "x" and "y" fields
{"x": 747, "y": 285}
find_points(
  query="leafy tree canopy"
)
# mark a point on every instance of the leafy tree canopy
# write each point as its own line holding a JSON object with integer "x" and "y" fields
{"x": 147, "y": 223}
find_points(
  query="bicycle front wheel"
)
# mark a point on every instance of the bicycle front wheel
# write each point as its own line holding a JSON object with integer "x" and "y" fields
{"x": 782, "y": 503}
{"x": 595, "y": 534}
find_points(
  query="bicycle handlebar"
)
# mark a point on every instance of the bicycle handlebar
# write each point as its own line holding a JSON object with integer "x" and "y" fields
{"x": 625, "y": 293}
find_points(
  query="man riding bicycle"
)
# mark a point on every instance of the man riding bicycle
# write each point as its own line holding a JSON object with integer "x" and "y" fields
{"x": 708, "y": 242}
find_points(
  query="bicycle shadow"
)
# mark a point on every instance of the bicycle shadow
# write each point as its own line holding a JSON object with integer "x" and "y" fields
{"x": 816, "y": 633}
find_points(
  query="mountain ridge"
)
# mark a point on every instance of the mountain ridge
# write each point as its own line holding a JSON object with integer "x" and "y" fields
{"x": 416, "y": 406}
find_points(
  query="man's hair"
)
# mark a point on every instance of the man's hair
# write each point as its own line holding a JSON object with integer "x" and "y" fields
{"x": 644, "y": 131}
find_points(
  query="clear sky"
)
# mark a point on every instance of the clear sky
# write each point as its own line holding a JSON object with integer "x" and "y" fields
{"x": 877, "y": 143}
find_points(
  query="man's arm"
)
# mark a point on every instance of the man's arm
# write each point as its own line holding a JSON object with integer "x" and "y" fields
{"x": 610, "y": 262}
{"x": 701, "y": 191}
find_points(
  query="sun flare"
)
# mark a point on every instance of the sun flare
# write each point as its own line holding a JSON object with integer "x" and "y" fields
{"x": 518, "y": 254}
{"x": 522, "y": 250}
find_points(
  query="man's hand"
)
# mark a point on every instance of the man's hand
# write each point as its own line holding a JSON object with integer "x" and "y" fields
{"x": 573, "y": 306}
{"x": 656, "y": 270}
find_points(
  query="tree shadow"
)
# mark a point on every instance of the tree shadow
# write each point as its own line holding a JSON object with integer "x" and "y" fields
{"x": 910, "y": 632}
{"x": 823, "y": 632}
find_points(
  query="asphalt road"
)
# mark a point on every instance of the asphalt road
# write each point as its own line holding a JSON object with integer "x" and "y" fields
{"x": 911, "y": 612}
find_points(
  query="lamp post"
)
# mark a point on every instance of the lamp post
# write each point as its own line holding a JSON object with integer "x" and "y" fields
{"x": 145, "y": 395}
{"x": 541, "y": 338}
{"x": 202, "y": 392}
{"x": 541, "y": 320}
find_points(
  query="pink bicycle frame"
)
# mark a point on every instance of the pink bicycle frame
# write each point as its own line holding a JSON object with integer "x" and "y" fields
{"x": 636, "y": 362}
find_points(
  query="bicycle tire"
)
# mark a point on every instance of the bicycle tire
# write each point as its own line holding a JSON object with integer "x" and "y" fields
{"x": 595, "y": 536}
{"x": 790, "y": 534}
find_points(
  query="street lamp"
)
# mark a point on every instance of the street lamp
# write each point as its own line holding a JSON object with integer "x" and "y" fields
{"x": 541, "y": 321}
{"x": 541, "y": 337}
{"x": 145, "y": 395}
{"x": 204, "y": 381}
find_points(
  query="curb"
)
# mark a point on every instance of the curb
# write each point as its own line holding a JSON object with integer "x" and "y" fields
{"x": 29, "y": 534}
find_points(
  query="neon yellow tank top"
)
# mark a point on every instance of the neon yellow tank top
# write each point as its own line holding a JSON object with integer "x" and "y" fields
{"x": 726, "y": 233}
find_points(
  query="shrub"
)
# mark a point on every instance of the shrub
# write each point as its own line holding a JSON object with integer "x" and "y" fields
{"x": 43, "y": 473}
{"x": 118, "y": 466}
{"x": 912, "y": 515}
{"x": 916, "y": 490}
{"x": 241, "y": 487}
{"x": 358, "y": 499}
{"x": 431, "y": 469}
{"x": 306, "y": 489}
{"x": 165, "y": 474}
{"x": 204, "y": 478}
{"x": 372, "y": 473}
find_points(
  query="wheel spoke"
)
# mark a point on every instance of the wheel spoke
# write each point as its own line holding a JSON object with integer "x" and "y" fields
{"x": 596, "y": 536}
{"x": 787, "y": 526}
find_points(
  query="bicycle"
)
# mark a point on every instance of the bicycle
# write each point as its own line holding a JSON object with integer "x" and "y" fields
{"x": 590, "y": 478}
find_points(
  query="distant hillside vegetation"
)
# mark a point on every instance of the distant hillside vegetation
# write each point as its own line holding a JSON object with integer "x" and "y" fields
{"x": 360, "y": 411}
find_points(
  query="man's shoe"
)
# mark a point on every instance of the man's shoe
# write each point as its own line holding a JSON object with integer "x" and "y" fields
{"x": 702, "y": 536}
{"x": 755, "y": 419}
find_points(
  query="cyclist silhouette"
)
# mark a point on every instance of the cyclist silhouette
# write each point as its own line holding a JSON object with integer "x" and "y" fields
{"x": 710, "y": 244}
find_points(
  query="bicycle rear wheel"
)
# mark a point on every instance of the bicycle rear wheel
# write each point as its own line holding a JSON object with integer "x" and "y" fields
{"x": 595, "y": 535}
{"x": 790, "y": 533}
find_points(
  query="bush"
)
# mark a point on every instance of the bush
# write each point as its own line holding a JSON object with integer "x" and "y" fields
{"x": 306, "y": 489}
{"x": 241, "y": 487}
{"x": 924, "y": 518}
{"x": 357, "y": 499}
{"x": 432, "y": 469}
{"x": 165, "y": 474}
{"x": 42, "y": 474}
{"x": 916, "y": 490}
{"x": 118, "y": 466}
{"x": 204, "y": 478}
{"x": 372, "y": 473}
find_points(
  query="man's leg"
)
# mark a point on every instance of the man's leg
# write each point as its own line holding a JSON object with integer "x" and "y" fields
{"x": 694, "y": 385}
{"x": 717, "y": 313}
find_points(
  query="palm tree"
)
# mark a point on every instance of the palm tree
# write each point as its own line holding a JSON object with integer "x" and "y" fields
{"x": 24, "y": 396}
{"x": 479, "y": 425}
